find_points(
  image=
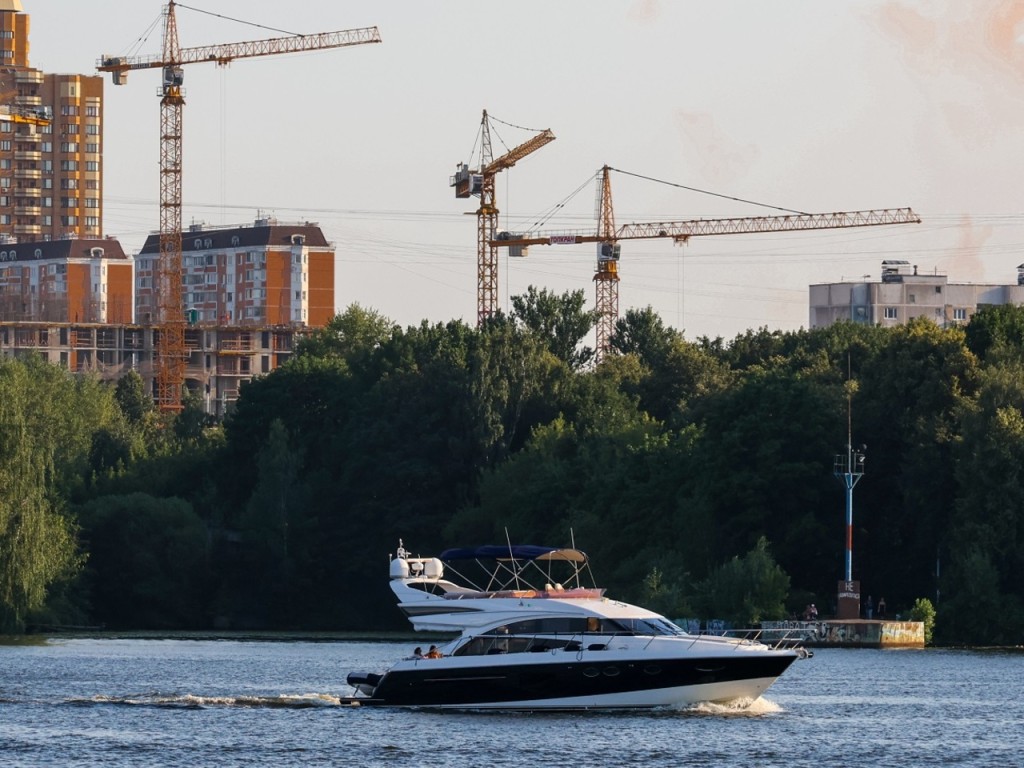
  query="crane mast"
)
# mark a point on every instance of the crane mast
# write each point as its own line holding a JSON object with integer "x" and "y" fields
{"x": 607, "y": 237}
{"x": 170, "y": 344}
{"x": 170, "y": 355}
{"x": 468, "y": 183}
{"x": 606, "y": 278}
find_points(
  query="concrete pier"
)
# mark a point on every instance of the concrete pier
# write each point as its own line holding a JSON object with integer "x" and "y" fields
{"x": 853, "y": 633}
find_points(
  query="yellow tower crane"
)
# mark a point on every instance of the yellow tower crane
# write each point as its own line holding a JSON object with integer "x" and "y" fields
{"x": 607, "y": 237}
{"x": 467, "y": 183}
{"x": 170, "y": 342}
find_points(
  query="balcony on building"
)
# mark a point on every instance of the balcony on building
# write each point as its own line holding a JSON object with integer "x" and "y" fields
{"x": 29, "y": 76}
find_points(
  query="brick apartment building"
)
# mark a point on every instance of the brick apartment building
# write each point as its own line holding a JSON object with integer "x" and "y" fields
{"x": 51, "y": 175}
{"x": 70, "y": 281}
{"x": 270, "y": 273}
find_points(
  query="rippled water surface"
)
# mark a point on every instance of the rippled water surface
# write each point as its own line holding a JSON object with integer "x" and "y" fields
{"x": 179, "y": 702}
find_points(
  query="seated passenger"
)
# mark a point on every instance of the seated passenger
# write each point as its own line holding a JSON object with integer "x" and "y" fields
{"x": 433, "y": 653}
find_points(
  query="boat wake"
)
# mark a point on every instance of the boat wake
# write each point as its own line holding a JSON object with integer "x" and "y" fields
{"x": 193, "y": 701}
{"x": 758, "y": 707}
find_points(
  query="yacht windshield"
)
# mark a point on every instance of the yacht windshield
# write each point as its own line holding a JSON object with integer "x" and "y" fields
{"x": 652, "y": 626}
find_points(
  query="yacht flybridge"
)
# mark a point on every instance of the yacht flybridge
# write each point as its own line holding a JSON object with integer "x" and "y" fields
{"x": 533, "y": 636}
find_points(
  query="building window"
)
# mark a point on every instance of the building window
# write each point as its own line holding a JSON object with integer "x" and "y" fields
{"x": 92, "y": 148}
{"x": 890, "y": 313}
{"x": 69, "y": 146}
{"x": 959, "y": 313}
{"x": 5, "y": 145}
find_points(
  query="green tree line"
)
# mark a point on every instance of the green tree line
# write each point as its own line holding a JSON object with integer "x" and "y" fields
{"x": 697, "y": 474}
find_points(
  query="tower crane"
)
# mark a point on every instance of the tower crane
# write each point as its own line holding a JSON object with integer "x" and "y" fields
{"x": 468, "y": 183}
{"x": 607, "y": 237}
{"x": 170, "y": 354}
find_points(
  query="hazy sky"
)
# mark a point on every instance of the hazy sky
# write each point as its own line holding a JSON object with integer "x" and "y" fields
{"x": 808, "y": 105}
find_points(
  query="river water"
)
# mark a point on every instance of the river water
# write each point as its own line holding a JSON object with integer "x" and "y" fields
{"x": 184, "y": 702}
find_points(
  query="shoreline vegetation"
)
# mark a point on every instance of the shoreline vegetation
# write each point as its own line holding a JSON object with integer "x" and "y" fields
{"x": 697, "y": 474}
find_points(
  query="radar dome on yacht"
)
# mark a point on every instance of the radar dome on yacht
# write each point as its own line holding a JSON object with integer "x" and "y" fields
{"x": 399, "y": 569}
{"x": 433, "y": 568}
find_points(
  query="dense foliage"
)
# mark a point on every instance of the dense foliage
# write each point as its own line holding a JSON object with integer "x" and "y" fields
{"x": 698, "y": 475}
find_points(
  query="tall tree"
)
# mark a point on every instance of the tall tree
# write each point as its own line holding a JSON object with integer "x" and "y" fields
{"x": 353, "y": 334}
{"x": 37, "y": 541}
{"x": 560, "y": 321}
{"x": 132, "y": 398}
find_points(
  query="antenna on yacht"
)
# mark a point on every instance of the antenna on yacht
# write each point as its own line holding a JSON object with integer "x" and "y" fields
{"x": 512, "y": 557}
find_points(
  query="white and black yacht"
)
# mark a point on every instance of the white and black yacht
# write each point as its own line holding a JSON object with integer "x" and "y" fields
{"x": 530, "y": 641}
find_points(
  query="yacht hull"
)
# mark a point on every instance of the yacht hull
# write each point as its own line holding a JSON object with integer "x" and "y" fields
{"x": 558, "y": 683}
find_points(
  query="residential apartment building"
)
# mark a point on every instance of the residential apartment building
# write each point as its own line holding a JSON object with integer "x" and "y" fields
{"x": 267, "y": 274}
{"x": 250, "y": 293}
{"x": 70, "y": 280}
{"x": 903, "y": 293}
{"x": 51, "y": 175}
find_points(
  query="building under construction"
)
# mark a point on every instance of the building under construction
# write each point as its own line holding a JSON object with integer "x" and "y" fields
{"x": 220, "y": 358}
{"x": 249, "y": 291}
